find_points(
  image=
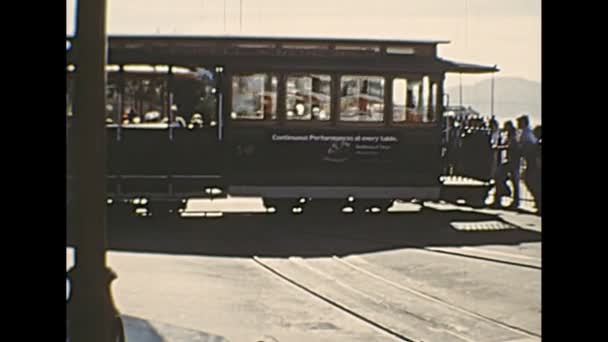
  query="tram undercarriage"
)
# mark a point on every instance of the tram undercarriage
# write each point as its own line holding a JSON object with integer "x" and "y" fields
{"x": 323, "y": 200}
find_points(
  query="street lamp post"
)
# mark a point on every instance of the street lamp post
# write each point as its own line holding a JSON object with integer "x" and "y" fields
{"x": 92, "y": 315}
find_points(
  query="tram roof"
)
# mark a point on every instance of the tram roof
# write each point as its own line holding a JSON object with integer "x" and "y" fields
{"x": 426, "y": 52}
{"x": 276, "y": 39}
{"x": 467, "y": 68}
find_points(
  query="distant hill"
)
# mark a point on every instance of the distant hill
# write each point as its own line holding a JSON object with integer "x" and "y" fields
{"x": 512, "y": 96}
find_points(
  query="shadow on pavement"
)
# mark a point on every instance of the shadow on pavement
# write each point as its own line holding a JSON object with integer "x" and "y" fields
{"x": 311, "y": 235}
{"x": 141, "y": 330}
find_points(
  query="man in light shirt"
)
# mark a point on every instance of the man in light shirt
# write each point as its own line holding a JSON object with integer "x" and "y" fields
{"x": 527, "y": 137}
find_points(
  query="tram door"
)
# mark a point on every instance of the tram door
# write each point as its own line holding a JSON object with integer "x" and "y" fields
{"x": 196, "y": 133}
{"x": 415, "y": 114}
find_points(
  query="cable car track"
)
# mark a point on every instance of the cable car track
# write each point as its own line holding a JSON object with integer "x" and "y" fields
{"x": 444, "y": 251}
{"x": 332, "y": 302}
{"x": 373, "y": 307}
{"x": 436, "y": 299}
{"x": 485, "y": 258}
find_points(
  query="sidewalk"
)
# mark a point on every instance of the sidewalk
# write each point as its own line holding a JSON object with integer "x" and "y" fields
{"x": 524, "y": 217}
{"x": 520, "y": 219}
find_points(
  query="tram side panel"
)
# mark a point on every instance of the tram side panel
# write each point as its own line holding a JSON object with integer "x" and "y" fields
{"x": 196, "y": 161}
{"x": 142, "y": 158}
{"x": 369, "y": 162}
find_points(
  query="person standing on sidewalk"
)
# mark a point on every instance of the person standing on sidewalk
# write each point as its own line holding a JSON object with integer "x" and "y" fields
{"x": 509, "y": 167}
{"x": 530, "y": 151}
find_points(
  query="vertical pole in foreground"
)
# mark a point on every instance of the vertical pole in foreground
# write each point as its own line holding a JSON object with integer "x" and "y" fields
{"x": 91, "y": 312}
{"x": 460, "y": 90}
{"x": 492, "y": 97}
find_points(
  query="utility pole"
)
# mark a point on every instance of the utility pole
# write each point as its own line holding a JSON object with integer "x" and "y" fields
{"x": 460, "y": 90}
{"x": 492, "y": 96}
{"x": 92, "y": 315}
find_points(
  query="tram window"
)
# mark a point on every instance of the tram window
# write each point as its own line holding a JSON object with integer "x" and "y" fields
{"x": 144, "y": 99}
{"x": 362, "y": 98}
{"x": 414, "y": 106}
{"x": 397, "y": 50}
{"x": 426, "y": 98}
{"x": 308, "y": 97}
{"x": 361, "y": 48}
{"x": 254, "y": 97}
{"x": 193, "y": 101}
{"x": 399, "y": 99}
{"x": 420, "y": 101}
{"x": 305, "y": 46}
{"x": 139, "y": 68}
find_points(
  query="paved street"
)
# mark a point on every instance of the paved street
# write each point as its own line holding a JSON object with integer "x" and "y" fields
{"x": 439, "y": 273}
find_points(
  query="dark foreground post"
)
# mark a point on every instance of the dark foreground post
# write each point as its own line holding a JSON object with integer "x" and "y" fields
{"x": 92, "y": 316}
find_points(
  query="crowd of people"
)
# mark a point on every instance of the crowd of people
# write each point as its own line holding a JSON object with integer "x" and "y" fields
{"x": 517, "y": 151}
{"x": 513, "y": 153}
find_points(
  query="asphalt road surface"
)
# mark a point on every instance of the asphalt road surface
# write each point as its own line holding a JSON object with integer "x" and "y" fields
{"x": 439, "y": 273}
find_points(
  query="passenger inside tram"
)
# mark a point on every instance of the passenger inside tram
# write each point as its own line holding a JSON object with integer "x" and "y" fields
{"x": 254, "y": 97}
{"x": 193, "y": 99}
{"x": 308, "y": 97}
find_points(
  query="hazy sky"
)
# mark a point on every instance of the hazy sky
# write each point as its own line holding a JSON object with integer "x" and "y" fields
{"x": 502, "y": 32}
